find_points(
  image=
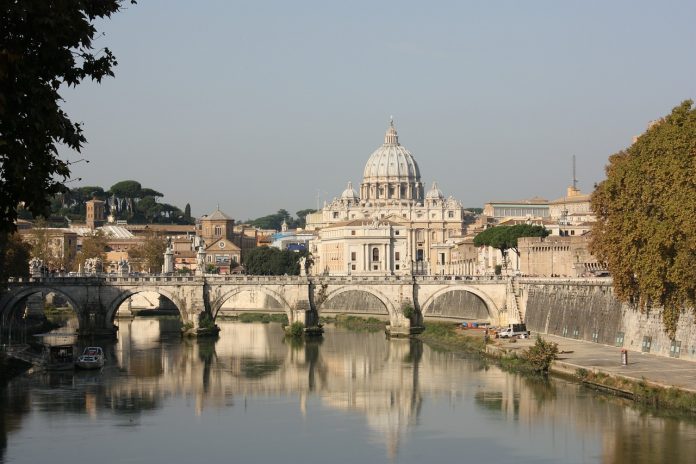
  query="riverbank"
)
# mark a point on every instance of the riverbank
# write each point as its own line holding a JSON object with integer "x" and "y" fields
{"x": 654, "y": 381}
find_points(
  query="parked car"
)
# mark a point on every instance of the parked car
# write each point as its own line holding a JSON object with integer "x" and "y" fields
{"x": 514, "y": 330}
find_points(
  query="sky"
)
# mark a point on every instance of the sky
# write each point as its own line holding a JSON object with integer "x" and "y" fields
{"x": 258, "y": 106}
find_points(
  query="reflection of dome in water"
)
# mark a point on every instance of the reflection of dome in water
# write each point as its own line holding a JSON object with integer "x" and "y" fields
{"x": 391, "y": 172}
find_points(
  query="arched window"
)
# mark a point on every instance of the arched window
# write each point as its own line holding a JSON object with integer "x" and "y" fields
{"x": 218, "y": 231}
{"x": 375, "y": 254}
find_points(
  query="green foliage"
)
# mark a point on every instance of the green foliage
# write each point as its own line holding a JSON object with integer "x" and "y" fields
{"x": 541, "y": 355}
{"x": 206, "y": 321}
{"x": 93, "y": 246}
{"x": 14, "y": 256}
{"x": 263, "y": 317}
{"x": 408, "y": 310}
{"x": 275, "y": 221}
{"x": 646, "y": 229}
{"x": 149, "y": 256}
{"x": 272, "y": 261}
{"x": 445, "y": 335}
{"x": 46, "y": 46}
{"x": 360, "y": 324}
{"x": 211, "y": 269}
{"x": 187, "y": 211}
{"x": 295, "y": 330}
{"x": 505, "y": 237}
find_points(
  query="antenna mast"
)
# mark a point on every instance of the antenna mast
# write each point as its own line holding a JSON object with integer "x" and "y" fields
{"x": 575, "y": 181}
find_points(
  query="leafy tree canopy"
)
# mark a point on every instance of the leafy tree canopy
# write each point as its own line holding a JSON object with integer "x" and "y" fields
{"x": 14, "y": 256}
{"x": 646, "y": 212}
{"x": 272, "y": 261}
{"x": 127, "y": 189}
{"x": 505, "y": 237}
{"x": 45, "y": 46}
{"x": 274, "y": 221}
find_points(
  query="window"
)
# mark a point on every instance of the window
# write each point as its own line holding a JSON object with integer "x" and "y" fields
{"x": 647, "y": 342}
{"x": 450, "y": 214}
{"x": 352, "y": 232}
{"x": 396, "y": 256}
{"x": 396, "y": 232}
{"x": 375, "y": 254}
{"x": 397, "y": 267}
{"x": 595, "y": 335}
{"x": 352, "y": 256}
{"x": 675, "y": 349}
{"x": 352, "y": 267}
{"x": 335, "y": 214}
{"x": 375, "y": 267}
{"x": 218, "y": 231}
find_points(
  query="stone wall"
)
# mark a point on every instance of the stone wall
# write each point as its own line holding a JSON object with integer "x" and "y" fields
{"x": 589, "y": 311}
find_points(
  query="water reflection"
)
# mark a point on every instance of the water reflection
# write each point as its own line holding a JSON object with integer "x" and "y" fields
{"x": 411, "y": 400}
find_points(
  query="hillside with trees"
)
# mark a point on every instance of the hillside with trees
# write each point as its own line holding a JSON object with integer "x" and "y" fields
{"x": 126, "y": 200}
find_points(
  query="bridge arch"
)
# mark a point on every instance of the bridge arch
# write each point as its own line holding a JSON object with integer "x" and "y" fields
{"x": 229, "y": 293}
{"x": 389, "y": 307}
{"x": 15, "y": 296}
{"x": 126, "y": 293}
{"x": 427, "y": 307}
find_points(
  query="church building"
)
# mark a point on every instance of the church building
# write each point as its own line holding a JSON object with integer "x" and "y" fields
{"x": 393, "y": 226}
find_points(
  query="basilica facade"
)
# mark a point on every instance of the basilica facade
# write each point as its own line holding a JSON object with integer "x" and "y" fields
{"x": 393, "y": 226}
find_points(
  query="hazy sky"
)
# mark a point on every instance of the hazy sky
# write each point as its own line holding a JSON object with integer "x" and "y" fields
{"x": 259, "y": 106}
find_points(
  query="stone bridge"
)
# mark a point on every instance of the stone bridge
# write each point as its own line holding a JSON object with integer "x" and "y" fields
{"x": 404, "y": 300}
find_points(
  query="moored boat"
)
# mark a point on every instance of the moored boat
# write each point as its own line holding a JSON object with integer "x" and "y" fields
{"x": 91, "y": 358}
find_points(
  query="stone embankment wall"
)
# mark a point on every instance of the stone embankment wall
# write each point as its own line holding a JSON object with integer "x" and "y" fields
{"x": 588, "y": 310}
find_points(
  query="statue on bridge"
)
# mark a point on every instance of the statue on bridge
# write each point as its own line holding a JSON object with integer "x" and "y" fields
{"x": 123, "y": 267}
{"x": 36, "y": 267}
{"x": 93, "y": 266}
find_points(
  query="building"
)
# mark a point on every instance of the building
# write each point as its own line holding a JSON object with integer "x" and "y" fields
{"x": 558, "y": 256}
{"x": 363, "y": 247}
{"x": 536, "y": 207}
{"x": 56, "y": 246}
{"x": 225, "y": 245}
{"x": 392, "y": 192}
{"x": 573, "y": 208}
{"x": 96, "y": 213}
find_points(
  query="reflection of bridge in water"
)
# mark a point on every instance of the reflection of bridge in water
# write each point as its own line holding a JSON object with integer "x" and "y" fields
{"x": 391, "y": 384}
{"x": 97, "y": 299}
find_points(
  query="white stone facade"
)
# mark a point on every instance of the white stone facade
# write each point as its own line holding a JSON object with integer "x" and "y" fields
{"x": 392, "y": 192}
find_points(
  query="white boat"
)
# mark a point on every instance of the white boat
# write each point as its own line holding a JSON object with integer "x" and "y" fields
{"x": 91, "y": 358}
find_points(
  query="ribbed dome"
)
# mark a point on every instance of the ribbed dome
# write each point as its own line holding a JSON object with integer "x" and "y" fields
{"x": 391, "y": 161}
{"x": 434, "y": 193}
{"x": 349, "y": 193}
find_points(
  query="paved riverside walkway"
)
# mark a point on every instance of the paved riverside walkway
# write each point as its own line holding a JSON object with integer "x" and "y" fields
{"x": 575, "y": 354}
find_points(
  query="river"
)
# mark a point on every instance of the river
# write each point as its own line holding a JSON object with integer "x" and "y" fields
{"x": 253, "y": 397}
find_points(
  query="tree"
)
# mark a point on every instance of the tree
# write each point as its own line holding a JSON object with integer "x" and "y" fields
{"x": 93, "y": 246}
{"x": 149, "y": 256}
{"x": 646, "y": 222}
{"x": 504, "y": 238}
{"x": 46, "y": 45}
{"x": 15, "y": 257}
{"x": 187, "y": 212}
{"x": 272, "y": 261}
{"x": 302, "y": 216}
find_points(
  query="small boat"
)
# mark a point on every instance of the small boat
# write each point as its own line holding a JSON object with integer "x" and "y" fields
{"x": 58, "y": 358}
{"x": 91, "y": 358}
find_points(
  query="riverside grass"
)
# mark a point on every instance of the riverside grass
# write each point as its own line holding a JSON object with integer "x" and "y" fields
{"x": 641, "y": 392}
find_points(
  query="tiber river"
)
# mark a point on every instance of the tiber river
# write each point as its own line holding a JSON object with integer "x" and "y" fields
{"x": 251, "y": 397}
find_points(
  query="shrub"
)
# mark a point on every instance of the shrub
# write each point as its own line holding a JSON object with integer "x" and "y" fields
{"x": 296, "y": 330}
{"x": 408, "y": 310}
{"x": 206, "y": 321}
{"x": 541, "y": 355}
